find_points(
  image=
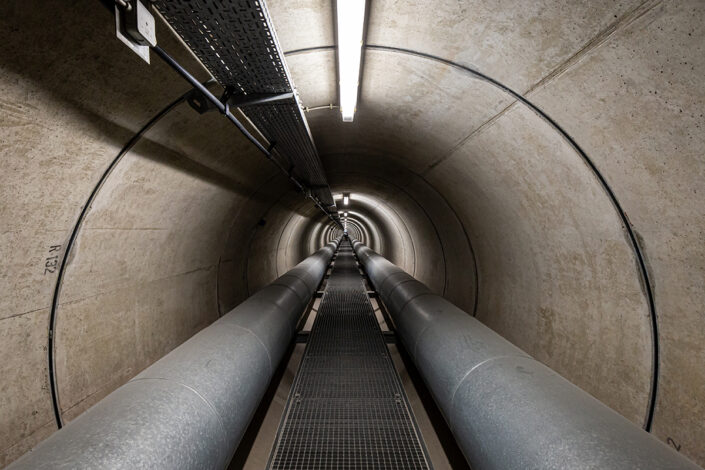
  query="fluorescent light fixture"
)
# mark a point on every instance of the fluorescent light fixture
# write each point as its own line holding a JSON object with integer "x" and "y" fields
{"x": 345, "y": 214}
{"x": 346, "y": 199}
{"x": 351, "y": 22}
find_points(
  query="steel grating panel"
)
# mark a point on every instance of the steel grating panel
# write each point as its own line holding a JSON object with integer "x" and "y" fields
{"x": 347, "y": 408}
{"x": 236, "y": 42}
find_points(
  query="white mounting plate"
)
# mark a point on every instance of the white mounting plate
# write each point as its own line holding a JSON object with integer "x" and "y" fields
{"x": 142, "y": 51}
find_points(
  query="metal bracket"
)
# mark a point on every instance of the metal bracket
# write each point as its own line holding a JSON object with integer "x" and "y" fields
{"x": 240, "y": 101}
{"x": 199, "y": 102}
{"x": 135, "y": 27}
{"x": 302, "y": 337}
{"x": 389, "y": 337}
{"x": 227, "y": 94}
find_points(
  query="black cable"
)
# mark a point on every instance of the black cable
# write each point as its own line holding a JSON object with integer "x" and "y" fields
{"x": 71, "y": 241}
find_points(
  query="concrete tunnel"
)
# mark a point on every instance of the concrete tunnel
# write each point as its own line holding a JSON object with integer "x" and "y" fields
{"x": 538, "y": 164}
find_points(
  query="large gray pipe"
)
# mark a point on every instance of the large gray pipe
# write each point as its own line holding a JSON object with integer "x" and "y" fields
{"x": 505, "y": 409}
{"x": 190, "y": 409}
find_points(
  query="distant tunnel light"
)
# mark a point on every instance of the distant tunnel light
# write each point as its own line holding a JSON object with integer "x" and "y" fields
{"x": 351, "y": 20}
{"x": 346, "y": 199}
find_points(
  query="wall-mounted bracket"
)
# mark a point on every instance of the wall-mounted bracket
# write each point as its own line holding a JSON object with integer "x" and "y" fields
{"x": 135, "y": 27}
{"x": 200, "y": 102}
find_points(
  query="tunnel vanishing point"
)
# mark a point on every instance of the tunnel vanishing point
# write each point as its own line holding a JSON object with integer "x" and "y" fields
{"x": 308, "y": 234}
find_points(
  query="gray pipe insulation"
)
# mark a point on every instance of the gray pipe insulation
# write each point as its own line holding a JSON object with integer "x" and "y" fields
{"x": 505, "y": 409}
{"x": 190, "y": 409}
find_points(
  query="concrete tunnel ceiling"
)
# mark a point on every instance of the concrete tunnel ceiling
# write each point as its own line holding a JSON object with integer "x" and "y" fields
{"x": 540, "y": 164}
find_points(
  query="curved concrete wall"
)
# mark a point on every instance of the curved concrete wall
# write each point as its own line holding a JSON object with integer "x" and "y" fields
{"x": 567, "y": 137}
{"x": 539, "y": 164}
{"x": 141, "y": 275}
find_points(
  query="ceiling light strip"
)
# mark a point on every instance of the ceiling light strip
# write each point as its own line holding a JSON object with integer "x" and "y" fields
{"x": 351, "y": 23}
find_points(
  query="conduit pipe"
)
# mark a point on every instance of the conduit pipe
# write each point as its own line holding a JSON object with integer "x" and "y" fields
{"x": 505, "y": 409}
{"x": 190, "y": 409}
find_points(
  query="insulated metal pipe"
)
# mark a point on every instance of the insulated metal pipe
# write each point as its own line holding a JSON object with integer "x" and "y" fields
{"x": 190, "y": 409}
{"x": 505, "y": 409}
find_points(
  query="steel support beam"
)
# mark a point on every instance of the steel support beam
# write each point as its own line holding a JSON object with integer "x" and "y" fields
{"x": 241, "y": 101}
{"x": 190, "y": 409}
{"x": 505, "y": 409}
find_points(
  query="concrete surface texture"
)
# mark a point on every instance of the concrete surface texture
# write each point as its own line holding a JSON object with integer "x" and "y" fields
{"x": 540, "y": 164}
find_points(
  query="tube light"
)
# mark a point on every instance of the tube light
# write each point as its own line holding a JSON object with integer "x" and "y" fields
{"x": 351, "y": 20}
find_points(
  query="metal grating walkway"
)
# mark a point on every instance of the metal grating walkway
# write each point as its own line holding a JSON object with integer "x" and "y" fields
{"x": 347, "y": 408}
